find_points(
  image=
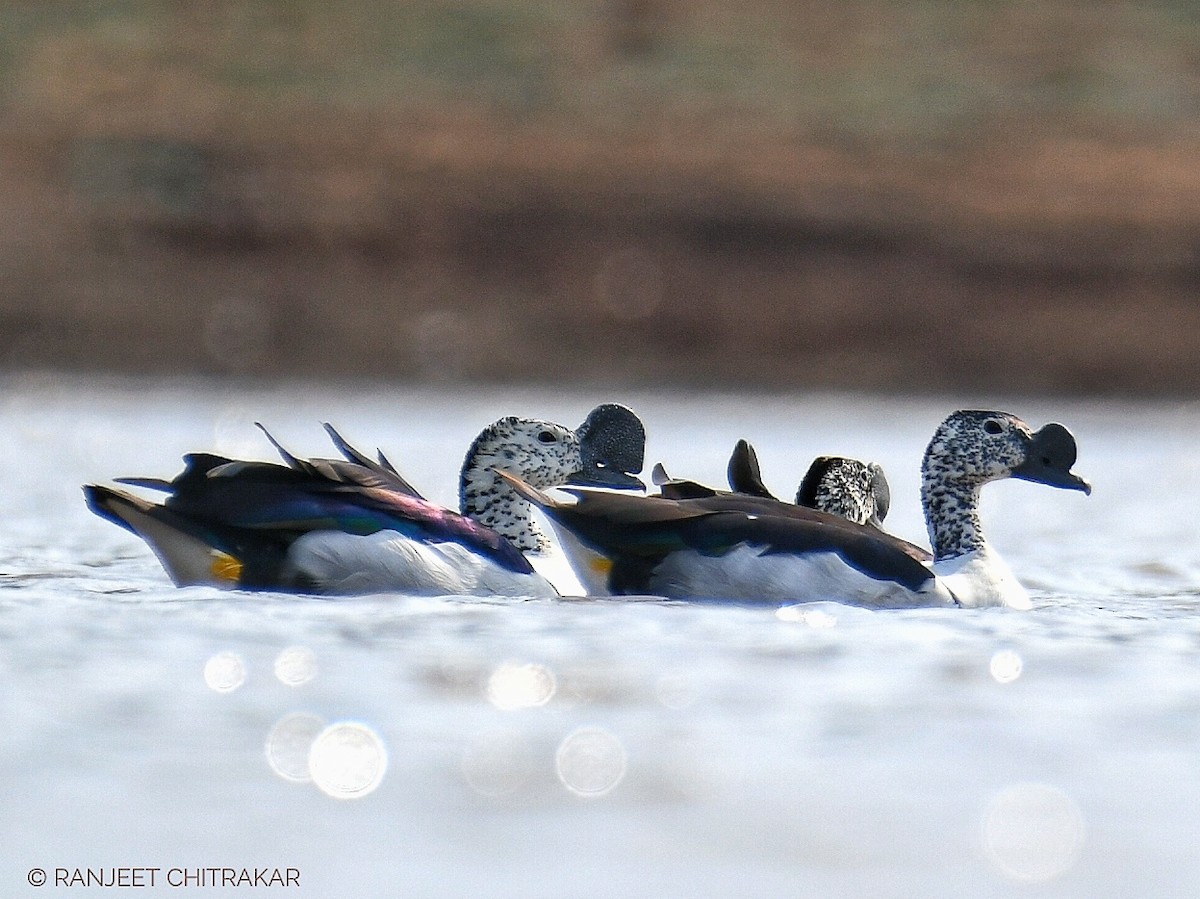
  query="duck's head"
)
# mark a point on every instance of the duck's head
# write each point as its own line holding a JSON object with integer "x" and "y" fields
{"x": 606, "y": 451}
{"x": 973, "y": 447}
{"x": 612, "y": 446}
{"x": 852, "y": 489}
{"x": 543, "y": 453}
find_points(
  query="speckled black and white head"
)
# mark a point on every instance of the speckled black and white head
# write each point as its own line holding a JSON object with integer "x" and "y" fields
{"x": 847, "y": 487}
{"x": 854, "y": 490}
{"x": 971, "y": 448}
{"x": 540, "y": 452}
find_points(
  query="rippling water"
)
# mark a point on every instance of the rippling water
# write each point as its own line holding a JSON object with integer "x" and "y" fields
{"x": 389, "y": 746}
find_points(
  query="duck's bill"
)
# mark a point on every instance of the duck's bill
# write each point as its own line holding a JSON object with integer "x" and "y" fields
{"x": 1068, "y": 480}
{"x": 612, "y": 438}
{"x": 1049, "y": 458}
{"x": 600, "y": 475}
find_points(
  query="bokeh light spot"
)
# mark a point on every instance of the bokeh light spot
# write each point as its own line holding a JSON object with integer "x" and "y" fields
{"x": 295, "y": 665}
{"x": 347, "y": 760}
{"x": 498, "y": 763}
{"x": 1005, "y": 666}
{"x": 590, "y": 761}
{"x": 224, "y": 672}
{"x": 1032, "y": 832}
{"x": 520, "y": 686}
{"x": 288, "y": 745}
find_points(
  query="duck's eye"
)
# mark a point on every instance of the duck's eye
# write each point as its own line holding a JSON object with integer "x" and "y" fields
{"x": 992, "y": 426}
{"x": 547, "y": 437}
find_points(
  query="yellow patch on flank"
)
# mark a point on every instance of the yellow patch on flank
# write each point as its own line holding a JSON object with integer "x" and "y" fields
{"x": 601, "y": 564}
{"x": 226, "y": 567}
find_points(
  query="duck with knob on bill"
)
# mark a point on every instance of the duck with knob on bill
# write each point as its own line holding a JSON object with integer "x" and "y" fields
{"x": 716, "y": 548}
{"x": 356, "y": 526}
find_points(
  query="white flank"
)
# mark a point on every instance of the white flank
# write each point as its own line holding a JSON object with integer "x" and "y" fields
{"x": 746, "y": 574}
{"x": 389, "y": 562}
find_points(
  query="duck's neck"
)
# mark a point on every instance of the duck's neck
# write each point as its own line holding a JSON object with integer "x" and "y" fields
{"x": 952, "y": 516}
{"x": 491, "y": 501}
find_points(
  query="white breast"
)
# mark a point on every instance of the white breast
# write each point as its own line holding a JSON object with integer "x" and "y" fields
{"x": 982, "y": 578}
{"x": 389, "y": 562}
{"x": 554, "y": 566}
{"x": 746, "y": 575}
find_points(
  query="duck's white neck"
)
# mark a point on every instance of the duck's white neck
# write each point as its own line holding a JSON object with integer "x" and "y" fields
{"x": 491, "y": 501}
{"x": 951, "y": 515}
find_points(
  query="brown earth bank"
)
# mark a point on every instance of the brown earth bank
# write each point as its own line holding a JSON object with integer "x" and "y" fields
{"x": 155, "y": 221}
{"x": 344, "y": 265}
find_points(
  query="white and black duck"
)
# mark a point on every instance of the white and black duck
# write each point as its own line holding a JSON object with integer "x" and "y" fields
{"x": 357, "y": 526}
{"x": 854, "y": 490}
{"x": 723, "y": 548}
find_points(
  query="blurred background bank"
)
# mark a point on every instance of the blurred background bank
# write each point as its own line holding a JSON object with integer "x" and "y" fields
{"x": 868, "y": 194}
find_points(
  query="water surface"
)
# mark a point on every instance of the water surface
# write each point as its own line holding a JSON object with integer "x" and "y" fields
{"x": 599, "y": 748}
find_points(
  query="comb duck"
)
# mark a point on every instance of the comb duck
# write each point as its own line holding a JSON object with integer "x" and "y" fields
{"x": 357, "y": 526}
{"x": 849, "y": 488}
{"x": 724, "y": 547}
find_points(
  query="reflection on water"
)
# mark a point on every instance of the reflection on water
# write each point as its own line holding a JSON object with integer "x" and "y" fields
{"x": 295, "y": 666}
{"x": 1032, "y": 832}
{"x": 513, "y": 686}
{"x": 347, "y": 760}
{"x": 1005, "y": 666}
{"x": 590, "y": 761}
{"x": 517, "y": 749}
{"x": 288, "y": 745}
{"x": 224, "y": 672}
{"x": 807, "y": 614}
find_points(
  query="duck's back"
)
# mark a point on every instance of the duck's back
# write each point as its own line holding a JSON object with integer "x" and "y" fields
{"x": 747, "y": 549}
